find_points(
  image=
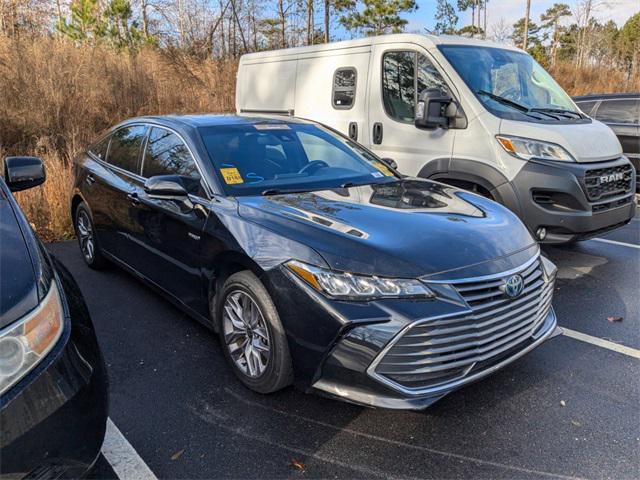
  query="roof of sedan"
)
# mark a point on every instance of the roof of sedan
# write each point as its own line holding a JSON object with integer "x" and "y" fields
{"x": 605, "y": 96}
{"x": 211, "y": 120}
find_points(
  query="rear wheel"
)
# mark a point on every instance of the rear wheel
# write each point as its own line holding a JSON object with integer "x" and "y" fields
{"x": 87, "y": 240}
{"x": 252, "y": 336}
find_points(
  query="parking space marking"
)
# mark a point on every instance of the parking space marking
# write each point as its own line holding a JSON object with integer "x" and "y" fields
{"x": 400, "y": 443}
{"x": 614, "y": 242}
{"x": 632, "y": 352}
{"x": 122, "y": 457}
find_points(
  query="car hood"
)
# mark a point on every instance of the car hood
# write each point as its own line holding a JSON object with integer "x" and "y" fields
{"x": 408, "y": 228}
{"x": 586, "y": 142}
{"x": 18, "y": 287}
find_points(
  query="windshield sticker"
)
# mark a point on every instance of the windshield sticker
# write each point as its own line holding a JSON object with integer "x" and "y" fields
{"x": 231, "y": 176}
{"x": 384, "y": 169}
{"x": 377, "y": 174}
{"x": 271, "y": 126}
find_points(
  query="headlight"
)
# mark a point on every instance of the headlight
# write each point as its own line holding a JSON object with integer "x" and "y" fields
{"x": 348, "y": 286}
{"x": 24, "y": 343}
{"x": 526, "y": 149}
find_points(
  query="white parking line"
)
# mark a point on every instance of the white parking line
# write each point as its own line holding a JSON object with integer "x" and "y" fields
{"x": 583, "y": 337}
{"x": 122, "y": 457}
{"x": 613, "y": 242}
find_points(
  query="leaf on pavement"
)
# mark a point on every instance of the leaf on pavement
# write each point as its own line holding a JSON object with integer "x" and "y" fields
{"x": 614, "y": 319}
{"x": 576, "y": 424}
{"x": 563, "y": 403}
{"x": 298, "y": 465}
{"x": 177, "y": 455}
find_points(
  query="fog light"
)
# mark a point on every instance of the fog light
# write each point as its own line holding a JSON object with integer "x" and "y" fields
{"x": 541, "y": 233}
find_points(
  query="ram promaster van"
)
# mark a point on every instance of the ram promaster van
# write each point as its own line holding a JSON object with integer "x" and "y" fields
{"x": 488, "y": 119}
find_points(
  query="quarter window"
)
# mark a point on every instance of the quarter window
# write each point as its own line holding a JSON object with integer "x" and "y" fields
{"x": 124, "y": 149}
{"x": 166, "y": 154}
{"x": 101, "y": 148}
{"x": 405, "y": 75}
{"x": 344, "y": 87}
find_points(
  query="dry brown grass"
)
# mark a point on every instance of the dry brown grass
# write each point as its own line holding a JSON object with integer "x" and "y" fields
{"x": 56, "y": 97}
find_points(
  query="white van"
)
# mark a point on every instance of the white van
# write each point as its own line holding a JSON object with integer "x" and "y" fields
{"x": 489, "y": 119}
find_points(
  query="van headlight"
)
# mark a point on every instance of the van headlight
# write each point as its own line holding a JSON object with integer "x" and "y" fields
{"x": 527, "y": 148}
{"x": 24, "y": 343}
{"x": 349, "y": 286}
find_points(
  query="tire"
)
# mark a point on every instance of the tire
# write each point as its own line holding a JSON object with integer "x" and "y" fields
{"x": 256, "y": 321}
{"x": 87, "y": 240}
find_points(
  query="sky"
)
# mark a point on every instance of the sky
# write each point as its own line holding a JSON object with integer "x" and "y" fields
{"x": 511, "y": 10}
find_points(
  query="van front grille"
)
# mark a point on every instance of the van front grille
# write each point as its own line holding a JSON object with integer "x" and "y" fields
{"x": 602, "y": 183}
{"x": 438, "y": 351}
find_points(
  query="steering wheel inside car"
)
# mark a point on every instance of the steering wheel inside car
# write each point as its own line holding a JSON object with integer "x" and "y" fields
{"x": 312, "y": 166}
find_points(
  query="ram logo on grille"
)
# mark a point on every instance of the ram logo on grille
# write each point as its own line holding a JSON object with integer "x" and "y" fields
{"x": 613, "y": 177}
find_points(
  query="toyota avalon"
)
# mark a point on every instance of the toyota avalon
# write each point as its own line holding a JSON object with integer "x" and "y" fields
{"x": 313, "y": 259}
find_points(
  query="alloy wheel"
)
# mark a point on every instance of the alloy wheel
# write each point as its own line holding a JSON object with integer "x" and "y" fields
{"x": 85, "y": 235}
{"x": 246, "y": 334}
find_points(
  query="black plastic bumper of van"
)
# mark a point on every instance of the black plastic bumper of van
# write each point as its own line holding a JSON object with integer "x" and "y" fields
{"x": 566, "y": 213}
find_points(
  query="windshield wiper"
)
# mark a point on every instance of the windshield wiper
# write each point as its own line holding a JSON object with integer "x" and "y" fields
{"x": 504, "y": 101}
{"x": 283, "y": 191}
{"x": 559, "y": 111}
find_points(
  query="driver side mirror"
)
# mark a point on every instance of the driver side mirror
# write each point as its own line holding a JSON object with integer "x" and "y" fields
{"x": 435, "y": 109}
{"x": 21, "y": 173}
{"x": 390, "y": 162}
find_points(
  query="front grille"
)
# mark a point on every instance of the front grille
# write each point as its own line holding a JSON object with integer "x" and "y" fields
{"x": 602, "y": 183}
{"x": 434, "y": 352}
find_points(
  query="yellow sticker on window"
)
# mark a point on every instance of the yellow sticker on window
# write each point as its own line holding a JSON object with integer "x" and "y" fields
{"x": 383, "y": 168}
{"x": 231, "y": 176}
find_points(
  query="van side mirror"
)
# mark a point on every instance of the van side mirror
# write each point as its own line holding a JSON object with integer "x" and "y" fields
{"x": 434, "y": 110}
{"x": 21, "y": 173}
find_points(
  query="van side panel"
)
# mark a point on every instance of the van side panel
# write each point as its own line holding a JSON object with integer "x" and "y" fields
{"x": 266, "y": 86}
{"x": 314, "y": 90}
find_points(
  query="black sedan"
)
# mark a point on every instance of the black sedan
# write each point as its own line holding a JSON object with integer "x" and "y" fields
{"x": 621, "y": 112}
{"x": 53, "y": 385}
{"x": 313, "y": 259}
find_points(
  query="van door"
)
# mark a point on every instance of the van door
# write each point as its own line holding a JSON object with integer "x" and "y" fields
{"x": 332, "y": 90}
{"x": 398, "y": 74}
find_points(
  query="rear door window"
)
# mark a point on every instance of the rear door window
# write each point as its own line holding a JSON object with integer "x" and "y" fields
{"x": 126, "y": 147}
{"x": 618, "y": 111}
{"x": 344, "y": 88}
{"x": 167, "y": 154}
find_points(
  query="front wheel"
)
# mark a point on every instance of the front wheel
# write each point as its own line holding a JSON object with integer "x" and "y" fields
{"x": 252, "y": 336}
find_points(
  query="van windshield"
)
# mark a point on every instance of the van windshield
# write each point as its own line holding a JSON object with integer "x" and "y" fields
{"x": 274, "y": 157}
{"x": 511, "y": 84}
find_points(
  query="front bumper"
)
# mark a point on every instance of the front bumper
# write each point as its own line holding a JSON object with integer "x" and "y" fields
{"x": 559, "y": 197}
{"x": 407, "y": 354}
{"x": 53, "y": 421}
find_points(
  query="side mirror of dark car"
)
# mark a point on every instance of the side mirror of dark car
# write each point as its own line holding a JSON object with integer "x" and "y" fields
{"x": 434, "y": 110}
{"x": 390, "y": 162}
{"x": 166, "y": 187}
{"x": 21, "y": 173}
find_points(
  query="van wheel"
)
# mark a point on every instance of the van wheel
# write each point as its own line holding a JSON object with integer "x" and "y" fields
{"x": 472, "y": 187}
{"x": 87, "y": 240}
{"x": 252, "y": 336}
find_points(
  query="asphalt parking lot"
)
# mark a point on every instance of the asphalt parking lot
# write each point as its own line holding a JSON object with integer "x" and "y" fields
{"x": 569, "y": 409}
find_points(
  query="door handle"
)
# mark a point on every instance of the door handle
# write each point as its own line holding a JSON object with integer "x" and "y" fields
{"x": 353, "y": 131}
{"x": 133, "y": 198}
{"x": 377, "y": 133}
{"x": 90, "y": 179}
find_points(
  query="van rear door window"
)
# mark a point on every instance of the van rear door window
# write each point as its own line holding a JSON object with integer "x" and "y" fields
{"x": 344, "y": 88}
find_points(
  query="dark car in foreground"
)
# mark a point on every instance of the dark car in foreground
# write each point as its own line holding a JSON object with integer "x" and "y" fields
{"x": 621, "y": 112}
{"x": 53, "y": 387}
{"x": 312, "y": 258}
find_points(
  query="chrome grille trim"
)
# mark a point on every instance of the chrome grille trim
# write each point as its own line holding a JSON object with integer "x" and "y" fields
{"x": 431, "y": 355}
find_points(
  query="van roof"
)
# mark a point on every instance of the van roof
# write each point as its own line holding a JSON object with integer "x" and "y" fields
{"x": 427, "y": 41}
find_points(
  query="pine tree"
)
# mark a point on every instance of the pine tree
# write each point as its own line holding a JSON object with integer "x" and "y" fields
{"x": 379, "y": 16}
{"x": 551, "y": 20}
{"x": 446, "y": 17}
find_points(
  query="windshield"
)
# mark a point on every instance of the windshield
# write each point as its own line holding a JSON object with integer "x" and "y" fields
{"x": 511, "y": 84}
{"x": 270, "y": 158}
